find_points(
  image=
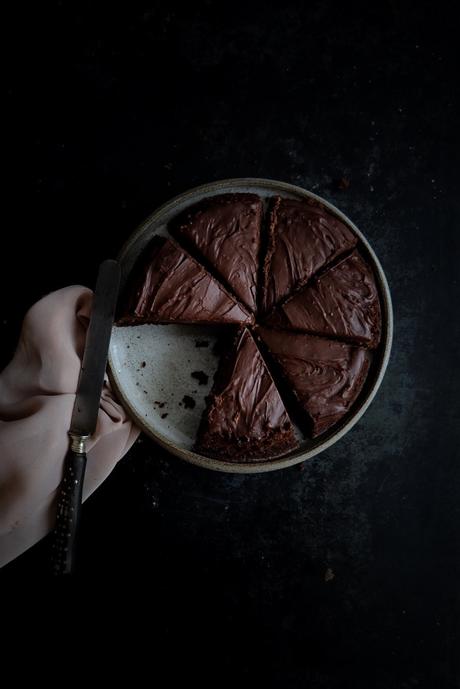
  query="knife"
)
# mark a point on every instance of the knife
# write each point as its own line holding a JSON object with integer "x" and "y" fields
{"x": 84, "y": 416}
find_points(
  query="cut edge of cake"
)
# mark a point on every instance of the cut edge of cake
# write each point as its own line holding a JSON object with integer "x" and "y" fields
{"x": 312, "y": 408}
{"x": 309, "y": 298}
{"x": 187, "y": 224}
{"x": 152, "y": 272}
{"x": 269, "y": 301}
{"x": 230, "y": 432}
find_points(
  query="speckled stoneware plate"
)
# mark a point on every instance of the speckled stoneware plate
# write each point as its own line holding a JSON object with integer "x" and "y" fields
{"x": 150, "y": 366}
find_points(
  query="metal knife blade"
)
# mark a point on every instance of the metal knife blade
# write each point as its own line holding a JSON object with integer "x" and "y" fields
{"x": 86, "y": 407}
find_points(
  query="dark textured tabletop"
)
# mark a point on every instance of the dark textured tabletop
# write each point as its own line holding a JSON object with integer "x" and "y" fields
{"x": 344, "y": 570}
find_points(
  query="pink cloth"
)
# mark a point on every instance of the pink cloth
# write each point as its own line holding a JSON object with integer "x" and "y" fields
{"x": 37, "y": 391}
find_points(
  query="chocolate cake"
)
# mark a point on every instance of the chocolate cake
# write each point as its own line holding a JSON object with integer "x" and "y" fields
{"x": 342, "y": 302}
{"x": 169, "y": 286}
{"x": 318, "y": 316}
{"x": 224, "y": 232}
{"x": 302, "y": 238}
{"x": 325, "y": 376}
{"x": 245, "y": 419}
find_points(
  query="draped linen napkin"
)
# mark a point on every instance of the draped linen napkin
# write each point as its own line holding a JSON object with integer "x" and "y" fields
{"x": 37, "y": 392}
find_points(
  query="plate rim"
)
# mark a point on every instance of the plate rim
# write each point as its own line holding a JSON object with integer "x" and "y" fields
{"x": 387, "y": 309}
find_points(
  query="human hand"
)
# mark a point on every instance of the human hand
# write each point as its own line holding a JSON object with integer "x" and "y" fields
{"x": 37, "y": 392}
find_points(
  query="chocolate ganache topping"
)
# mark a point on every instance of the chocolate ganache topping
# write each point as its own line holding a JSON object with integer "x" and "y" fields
{"x": 224, "y": 231}
{"x": 245, "y": 418}
{"x": 326, "y": 376}
{"x": 303, "y": 237}
{"x": 343, "y": 302}
{"x": 170, "y": 286}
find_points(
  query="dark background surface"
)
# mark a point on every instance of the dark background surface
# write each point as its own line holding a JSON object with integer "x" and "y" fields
{"x": 344, "y": 572}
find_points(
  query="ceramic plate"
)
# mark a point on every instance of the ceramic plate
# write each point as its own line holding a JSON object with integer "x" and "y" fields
{"x": 151, "y": 366}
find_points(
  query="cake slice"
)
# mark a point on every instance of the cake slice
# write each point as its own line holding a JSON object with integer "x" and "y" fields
{"x": 325, "y": 376}
{"x": 224, "y": 232}
{"x": 342, "y": 302}
{"x": 169, "y": 286}
{"x": 245, "y": 419}
{"x": 302, "y": 238}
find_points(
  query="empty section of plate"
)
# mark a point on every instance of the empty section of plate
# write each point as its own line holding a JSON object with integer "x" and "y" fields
{"x": 154, "y": 364}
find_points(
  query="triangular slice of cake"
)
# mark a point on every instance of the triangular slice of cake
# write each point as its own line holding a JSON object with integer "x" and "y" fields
{"x": 169, "y": 286}
{"x": 343, "y": 302}
{"x": 326, "y": 376}
{"x": 245, "y": 419}
{"x": 224, "y": 232}
{"x": 302, "y": 238}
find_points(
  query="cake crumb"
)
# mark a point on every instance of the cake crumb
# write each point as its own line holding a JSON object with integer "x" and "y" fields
{"x": 189, "y": 402}
{"x": 201, "y": 377}
{"x": 343, "y": 183}
{"x": 329, "y": 574}
{"x": 163, "y": 416}
{"x": 201, "y": 343}
{"x": 143, "y": 364}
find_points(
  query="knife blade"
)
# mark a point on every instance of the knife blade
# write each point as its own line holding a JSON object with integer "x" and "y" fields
{"x": 84, "y": 415}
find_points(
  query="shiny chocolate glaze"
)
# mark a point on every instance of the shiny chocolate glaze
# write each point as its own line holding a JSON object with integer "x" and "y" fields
{"x": 343, "y": 302}
{"x": 171, "y": 287}
{"x": 326, "y": 376}
{"x": 224, "y": 230}
{"x": 303, "y": 237}
{"x": 245, "y": 418}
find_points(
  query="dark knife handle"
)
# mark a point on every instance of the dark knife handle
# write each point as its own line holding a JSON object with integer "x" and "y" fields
{"x": 68, "y": 512}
